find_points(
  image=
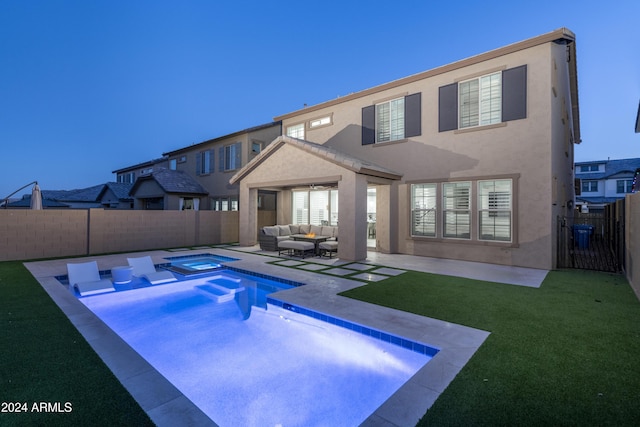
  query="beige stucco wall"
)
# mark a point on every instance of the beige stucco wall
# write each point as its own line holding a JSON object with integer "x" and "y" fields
{"x": 632, "y": 241}
{"x": 27, "y": 234}
{"x": 531, "y": 151}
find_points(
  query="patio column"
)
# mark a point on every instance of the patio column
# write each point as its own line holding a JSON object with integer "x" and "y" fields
{"x": 248, "y": 223}
{"x": 352, "y": 220}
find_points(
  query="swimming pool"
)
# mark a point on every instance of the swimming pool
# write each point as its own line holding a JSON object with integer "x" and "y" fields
{"x": 276, "y": 366}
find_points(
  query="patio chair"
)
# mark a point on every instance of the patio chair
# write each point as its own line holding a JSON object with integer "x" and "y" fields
{"x": 143, "y": 267}
{"x": 85, "y": 278}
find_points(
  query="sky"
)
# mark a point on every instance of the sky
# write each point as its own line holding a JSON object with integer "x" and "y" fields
{"x": 89, "y": 87}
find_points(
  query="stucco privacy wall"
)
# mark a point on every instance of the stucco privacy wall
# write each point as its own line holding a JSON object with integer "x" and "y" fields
{"x": 27, "y": 234}
{"x": 632, "y": 241}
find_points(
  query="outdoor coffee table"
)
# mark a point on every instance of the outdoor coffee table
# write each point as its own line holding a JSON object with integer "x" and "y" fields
{"x": 316, "y": 240}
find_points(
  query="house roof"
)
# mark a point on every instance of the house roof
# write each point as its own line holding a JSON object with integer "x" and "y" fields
{"x": 220, "y": 138}
{"x": 597, "y": 200}
{"x": 25, "y": 202}
{"x": 611, "y": 168}
{"x": 327, "y": 153}
{"x": 141, "y": 165}
{"x": 120, "y": 189}
{"x": 561, "y": 35}
{"x": 172, "y": 181}
{"x": 90, "y": 194}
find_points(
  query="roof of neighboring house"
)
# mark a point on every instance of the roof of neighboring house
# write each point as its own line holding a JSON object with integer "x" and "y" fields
{"x": 90, "y": 194}
{"x": 220, "y": 138}
{"x": 25, "y": 202}
{"x": 611, "y": 168}
{"x": 322, "y": 151}
{"x": 141, "y": 165}
{"x": 120, "y": 189}
{"x": 561, "y": 35}
{"x": 172, "y": 181}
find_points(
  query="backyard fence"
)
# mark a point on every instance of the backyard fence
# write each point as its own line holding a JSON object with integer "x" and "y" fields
{"x": 594, "y": 241}
{"x": 32, "y": 234}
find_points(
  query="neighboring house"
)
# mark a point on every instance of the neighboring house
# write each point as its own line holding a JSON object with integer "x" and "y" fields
{"x": 128, "y": 175}
{"x": 469, "y": 161}
{"x": 211, "y": 163}
{"x": 111, "y": 195}
{"x": 165, "y": 189}
{"x": 603, "y": 182}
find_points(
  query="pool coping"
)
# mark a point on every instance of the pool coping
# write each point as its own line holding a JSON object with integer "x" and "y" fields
{"x": 166, "y": 405}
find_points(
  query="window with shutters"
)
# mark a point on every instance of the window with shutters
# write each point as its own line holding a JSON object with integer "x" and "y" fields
{"x": 232, "y": 156}
{"x": 494, "y": 210}
{"x": 390, "y": 120}
{"x": 456, "y": 209}
{"x": 480, "y": 101}
{"x": 204, "y": 161}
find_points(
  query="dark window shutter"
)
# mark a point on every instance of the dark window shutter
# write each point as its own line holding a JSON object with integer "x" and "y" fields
{"x": 369, "y": 125}
{"x": 212, "y": 163}
{"x": 198, "y": 163}
{"x": 413, "y": 115}
{"x": 221, "y": 160}
{"x": 514, "y": 93}
{"x": 448, "y": 107}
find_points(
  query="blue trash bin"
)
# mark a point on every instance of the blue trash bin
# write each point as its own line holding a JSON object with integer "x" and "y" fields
{"x": 581, "y": 235}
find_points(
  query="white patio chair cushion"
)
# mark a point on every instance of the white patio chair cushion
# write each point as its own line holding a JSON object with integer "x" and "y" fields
{"x": 143, "y": 267}
{"x": 85, "y": 278}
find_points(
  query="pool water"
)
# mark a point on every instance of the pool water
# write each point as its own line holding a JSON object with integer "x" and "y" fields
{"x": 245, "y": 362}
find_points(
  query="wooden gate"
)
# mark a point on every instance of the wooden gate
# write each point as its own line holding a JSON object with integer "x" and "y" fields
{"x": 593, "y": 241}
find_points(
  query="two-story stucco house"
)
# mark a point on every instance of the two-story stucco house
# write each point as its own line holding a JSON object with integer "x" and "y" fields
{"x": 470, "y": 161}
{"x": 604, "y": 181}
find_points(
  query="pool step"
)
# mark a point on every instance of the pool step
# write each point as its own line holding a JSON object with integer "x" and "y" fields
{"x": 221, "y": 288}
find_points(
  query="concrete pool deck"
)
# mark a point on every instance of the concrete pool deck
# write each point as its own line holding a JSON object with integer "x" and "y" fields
{"x": 167, "y": 406}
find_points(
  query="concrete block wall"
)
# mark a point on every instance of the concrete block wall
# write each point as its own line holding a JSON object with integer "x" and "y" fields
{"x": 27, "y": 234}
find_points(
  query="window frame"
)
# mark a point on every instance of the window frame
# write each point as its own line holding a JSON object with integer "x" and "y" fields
{"x": 424, "y": 211}
{"x": 588, "y": 184}
{"x": 484, "y": 116}
{"x": 394, "y": 121}
{"x": 496, "y": 211}
{"x": 299, "y": 127}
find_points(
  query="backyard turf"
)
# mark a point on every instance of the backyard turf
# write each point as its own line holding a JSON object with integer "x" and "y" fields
{"x": 49, "y": 375}
{"x": 567, "y": 353}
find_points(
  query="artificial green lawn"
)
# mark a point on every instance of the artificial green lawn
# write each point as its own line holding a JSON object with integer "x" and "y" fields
{"x": 43, "y": 358}
{"x": 567, "y": 353}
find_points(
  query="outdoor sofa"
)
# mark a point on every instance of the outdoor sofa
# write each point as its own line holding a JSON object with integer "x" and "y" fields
{"x": 270, "y": 236}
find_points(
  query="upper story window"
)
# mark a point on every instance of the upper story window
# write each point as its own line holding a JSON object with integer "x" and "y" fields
{"x": 589, "y": 186}
{"x": 127, "y": 178}
{"x": 231, "y": 156}
{"x": 322, "y": 121}
{"x": 173, "y": 164}
{"x": 392, "y": 120}
{"x": 492, "y": 98}
{"x": 256, "y": 147}
{"x": 146, "y": 171}
{"x": 589, "y": 168}
{"x": 480, "y": 101}
{"x": 204, "y": 161}
{"x": 624, "y": 186}
{"x": 296, "y": 131}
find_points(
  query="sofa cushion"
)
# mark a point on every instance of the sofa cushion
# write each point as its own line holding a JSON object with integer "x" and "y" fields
{"x": 283, "y": 238}
{"x": 284, "y": 230}
{"x": 304, "y": 228}
{"x": 295, "y": 228}
{"x": 328, "y": 230}
{"x": 317, "y": 230}
{"x": 271, "y": 230}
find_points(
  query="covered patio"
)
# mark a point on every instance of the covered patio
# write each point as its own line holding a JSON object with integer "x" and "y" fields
{"x": 289, "y": 163}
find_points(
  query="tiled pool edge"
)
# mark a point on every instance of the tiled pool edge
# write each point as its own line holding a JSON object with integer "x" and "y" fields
{"x": 379, "y": 334}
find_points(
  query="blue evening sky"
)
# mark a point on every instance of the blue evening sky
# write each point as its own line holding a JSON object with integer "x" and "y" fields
{"x": 88, "y": 87}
